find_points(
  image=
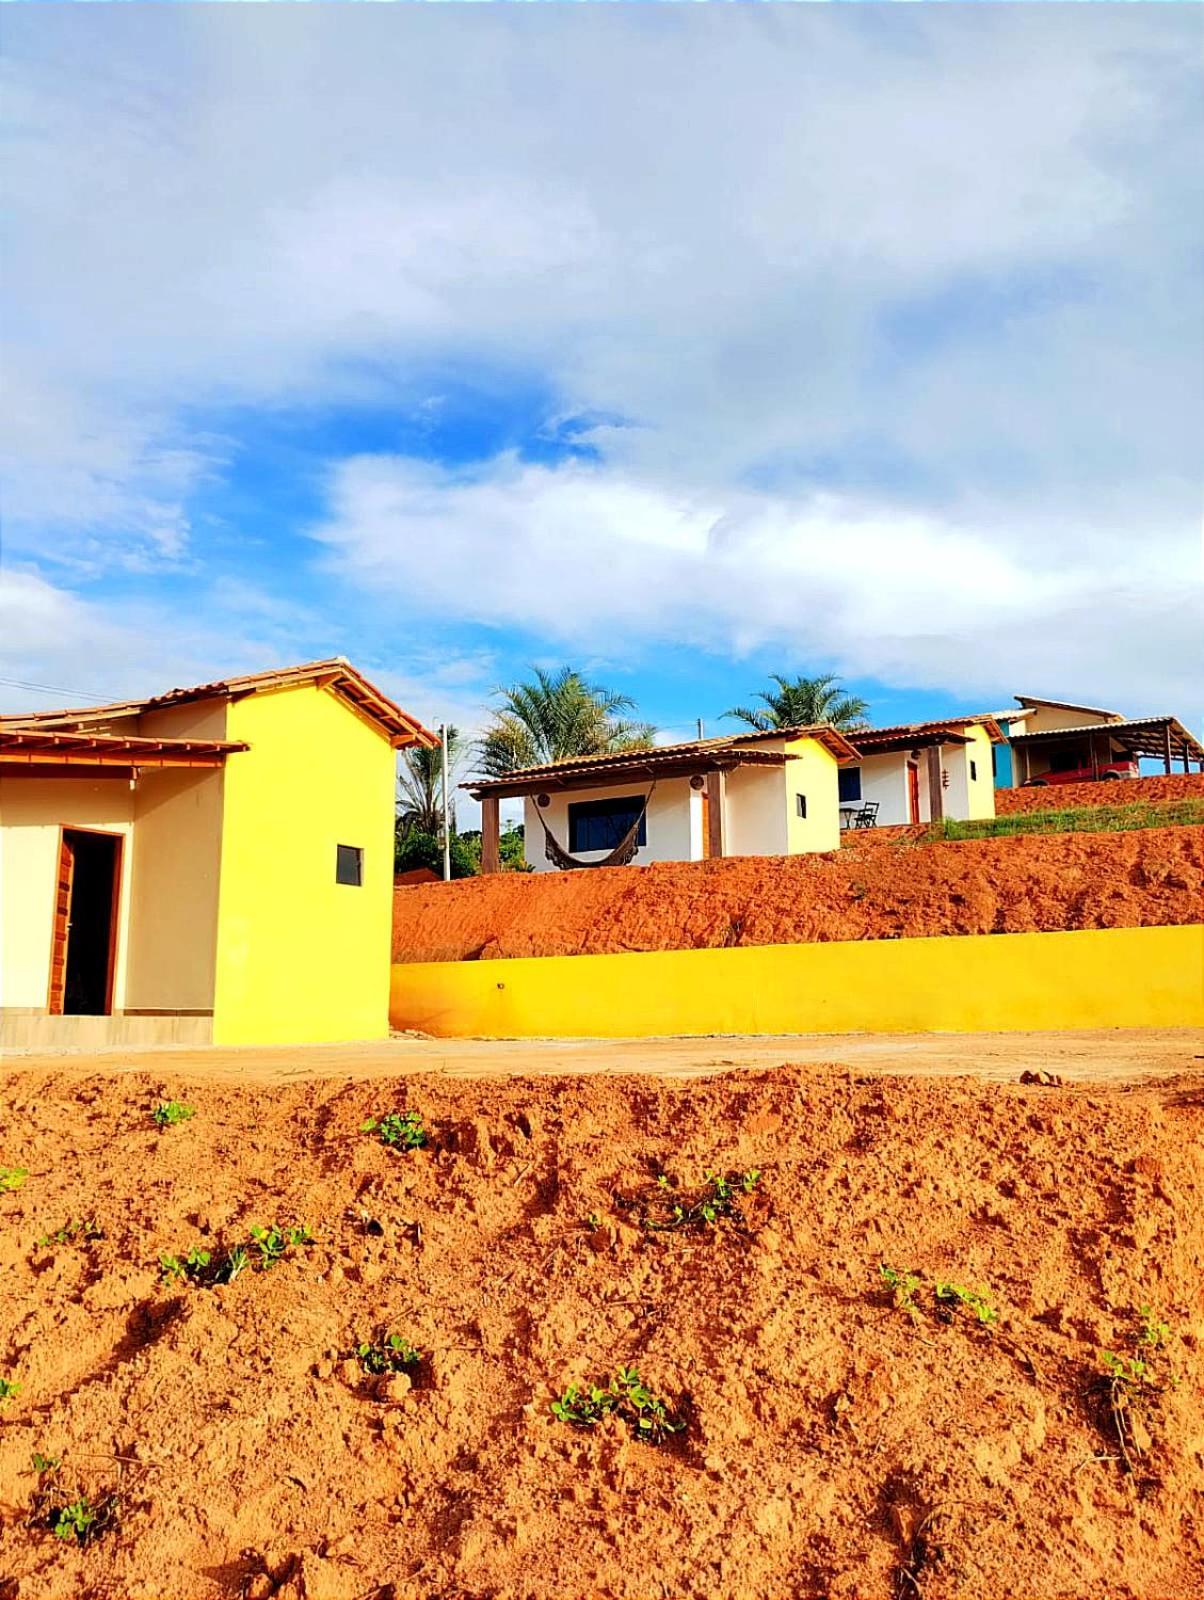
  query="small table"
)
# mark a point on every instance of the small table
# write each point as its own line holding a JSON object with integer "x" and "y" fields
{"x": 847, "y": 813}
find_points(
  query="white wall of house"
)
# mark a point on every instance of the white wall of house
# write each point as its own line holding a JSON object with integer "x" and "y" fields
{"x": 35, "y": 810}
{"x": 884, "y": 779}
{"x": 674, "y": 821}
{"x": 756, "y": 812}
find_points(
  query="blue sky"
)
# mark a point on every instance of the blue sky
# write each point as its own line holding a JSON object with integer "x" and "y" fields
{"x": 683, "y": 344}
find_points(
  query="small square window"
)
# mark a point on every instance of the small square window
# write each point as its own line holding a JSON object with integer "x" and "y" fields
{"x": 800, "y": 804}
{"x": 349, "y": 865}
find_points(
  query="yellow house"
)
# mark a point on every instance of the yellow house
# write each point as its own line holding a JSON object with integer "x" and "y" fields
{"x": 756, "y": 794}
{"x": 210, "y": 865}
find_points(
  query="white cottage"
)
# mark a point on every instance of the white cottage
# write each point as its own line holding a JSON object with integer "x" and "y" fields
{"x": 749, "y": 794}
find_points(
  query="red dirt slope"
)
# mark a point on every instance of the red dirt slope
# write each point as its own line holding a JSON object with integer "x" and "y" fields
{"x": 884, "y": 888}
{"x": 1058, "y": 797}
{"x": 825, "y": 1424}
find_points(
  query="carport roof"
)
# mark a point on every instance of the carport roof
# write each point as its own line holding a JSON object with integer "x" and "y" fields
{"x": 1140, "y": 736}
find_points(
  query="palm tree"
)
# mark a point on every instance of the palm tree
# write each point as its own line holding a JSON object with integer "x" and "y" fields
{"x": 420, "y": 785}
{"x": 554, "y": 717}
{"x": 803, "y": 702}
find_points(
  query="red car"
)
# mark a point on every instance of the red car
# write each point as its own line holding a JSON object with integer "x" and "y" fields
{"x": 1107, "y": 770}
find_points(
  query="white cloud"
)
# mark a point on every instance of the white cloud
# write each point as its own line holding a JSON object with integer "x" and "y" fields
{"x": 902, "y": 303}
{"x": 595, "y": 560}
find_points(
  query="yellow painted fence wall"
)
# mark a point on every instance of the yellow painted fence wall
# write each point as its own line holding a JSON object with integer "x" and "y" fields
{"x": 1112, "y": 977}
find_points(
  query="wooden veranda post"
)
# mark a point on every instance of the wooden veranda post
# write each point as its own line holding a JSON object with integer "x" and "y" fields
{"x": 936, "y": 797}
{"x": 716, "y": 792}
{"x": 1166, "y": 748}
{"x": 490, "y": 834}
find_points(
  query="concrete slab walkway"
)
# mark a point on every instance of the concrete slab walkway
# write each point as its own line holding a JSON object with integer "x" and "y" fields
{"x": 1097, "y": 1056}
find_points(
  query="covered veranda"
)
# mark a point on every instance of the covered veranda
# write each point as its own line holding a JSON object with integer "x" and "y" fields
{"x": 1163, "y": 739}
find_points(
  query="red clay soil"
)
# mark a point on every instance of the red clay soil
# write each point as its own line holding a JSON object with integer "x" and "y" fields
{"x": 835, "y": 1441}
{"x": 1058, "y": 797}
{"x": 879, "y": 888}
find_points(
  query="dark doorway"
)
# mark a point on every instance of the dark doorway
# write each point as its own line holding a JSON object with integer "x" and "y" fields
{"x": 81, "y": 977}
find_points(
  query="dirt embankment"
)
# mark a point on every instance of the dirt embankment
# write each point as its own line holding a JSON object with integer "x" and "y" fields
{"x": 834, "y": 1439}
{"x": 1060, "y": 797}
{"x": 882, "y": 888}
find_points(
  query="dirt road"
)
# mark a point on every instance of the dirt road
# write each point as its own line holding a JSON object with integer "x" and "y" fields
{"x": 1113, "y": 1055}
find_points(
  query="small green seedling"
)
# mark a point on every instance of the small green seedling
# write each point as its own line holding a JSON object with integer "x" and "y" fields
{"x": 1154, "y": 1332}
{"x": 648, "y": 1417}
{"x": 977, "y": 1304}
{"x": 202, "y": 1267}
{"x": 1131, "y": 1371}
{"x": 390, "y": 1353}
{"x": 651, "y": 1418}
{"x": 192, "y": 1266}
{"x": 79, "y": 1231}
{"x": 400, "y": 1130}
{"x": 71, "y": 1515}
{"x": 584, "y": 1408}
{"x": 169, "y": 1112}
{"x": 8, "y": 1388}
{"x": 717, "y": 1200}
{"x": 1127, "y": 1393}
{"x": 12, "y": 1178}
{"x": 903, "y": 1286}
{"x": 274, "y": 1242}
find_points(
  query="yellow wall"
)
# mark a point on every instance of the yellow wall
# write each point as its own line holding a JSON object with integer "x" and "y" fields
{"x": 32, "y": 812}
{"x": 980, "y": 789}
{"x": 1113, "y": 977}
{"x": 299, "y": 956}
{"x": 814, "y": 774}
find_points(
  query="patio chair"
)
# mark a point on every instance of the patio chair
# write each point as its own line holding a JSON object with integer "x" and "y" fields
{"x": 867, "y": 817}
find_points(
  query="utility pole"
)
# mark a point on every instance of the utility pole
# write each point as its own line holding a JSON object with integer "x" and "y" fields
{"x": 700, "y": 732}
{"x": 446, "y": 829}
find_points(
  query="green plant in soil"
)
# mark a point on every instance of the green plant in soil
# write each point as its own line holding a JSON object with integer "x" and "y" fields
{"x": 71, "y": 1515}
{"x": 274, "y": 1242}
{"x": 81, "y": 1231}
{"x": 717, "y": 1199}
{"x": 400, "y": 1130}
{"x": 9, "y": 1388}
{"x": 1154, "y": 1332}
{"x": 389, "y": 1353}
{"x": 1127, "y": 1390}
{"x": 170, "y": 1112}
{"x": 953, "y": 1295}
{"x": 207, "y": 1268}
{"x": 628, "y": 1397}
{"x": 12, "y": 1178}
{"x": 903, "y": 1287}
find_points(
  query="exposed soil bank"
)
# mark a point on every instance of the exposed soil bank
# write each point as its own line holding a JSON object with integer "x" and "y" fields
{"x": 825, "y": 1424}
{"x": 886, "y": 887}
{"x": 1059, "y": 797}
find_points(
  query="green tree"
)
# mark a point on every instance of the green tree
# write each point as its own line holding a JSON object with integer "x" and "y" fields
{"x": 801, "y": 703}
{"x": 554, "y": 717}
{"x": 416, "y": 848}
{"x": 420, "y": 784}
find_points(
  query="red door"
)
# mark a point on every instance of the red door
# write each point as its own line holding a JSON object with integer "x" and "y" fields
{"x": 913, "y": 790}
{"x": 62, "y": 924}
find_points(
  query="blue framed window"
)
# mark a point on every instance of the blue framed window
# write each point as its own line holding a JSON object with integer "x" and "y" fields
{"x": 849, "y": 779}
{"x": 601, "y": 824}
